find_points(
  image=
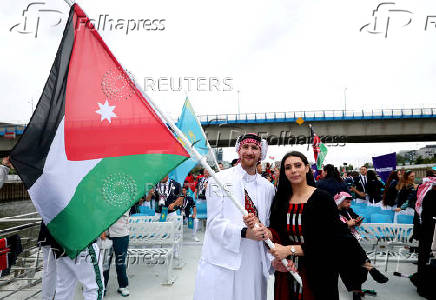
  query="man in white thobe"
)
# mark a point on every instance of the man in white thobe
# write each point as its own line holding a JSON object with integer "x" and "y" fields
{"x": 234, "y": 264}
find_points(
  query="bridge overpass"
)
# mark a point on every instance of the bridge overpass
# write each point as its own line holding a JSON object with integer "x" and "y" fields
{"x": 333, "y": 126}
{"x": 281, "y": 128}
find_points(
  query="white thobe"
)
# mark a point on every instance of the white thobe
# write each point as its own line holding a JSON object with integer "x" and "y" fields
{"x": 4, "y": 171}
{"x": 231, "y": 267}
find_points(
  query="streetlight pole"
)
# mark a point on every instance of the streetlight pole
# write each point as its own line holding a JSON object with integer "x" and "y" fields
{"x": 345, "y": 99}
{"x": 239, "y": 111}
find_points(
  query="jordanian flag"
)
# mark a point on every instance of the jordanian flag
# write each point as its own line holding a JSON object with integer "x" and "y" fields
{"x": 319, "y": 149}
{"x": 94, "y": 145}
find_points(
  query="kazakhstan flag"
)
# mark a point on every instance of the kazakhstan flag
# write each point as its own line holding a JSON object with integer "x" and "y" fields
{"x": 191, "y": 127}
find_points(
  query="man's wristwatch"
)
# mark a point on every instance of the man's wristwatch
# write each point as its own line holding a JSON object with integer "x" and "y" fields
{"x": 244, "y": 232}
{"x": 293, "y": 251}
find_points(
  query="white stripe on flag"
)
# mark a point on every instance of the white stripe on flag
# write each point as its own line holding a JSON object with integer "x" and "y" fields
{"x": 54, "y": 189}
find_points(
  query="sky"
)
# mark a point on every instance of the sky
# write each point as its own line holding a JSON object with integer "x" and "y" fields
{"x": 280, "y": 55}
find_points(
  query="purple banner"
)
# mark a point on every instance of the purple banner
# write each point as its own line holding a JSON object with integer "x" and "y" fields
{"x": 385, "y": 164}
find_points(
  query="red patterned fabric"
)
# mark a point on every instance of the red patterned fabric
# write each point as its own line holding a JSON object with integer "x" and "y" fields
{"x": 285, "y": 287}
{"x": 295, "y": 232}
{"x": 249, "y": 205}
{"x": 4, "y": 254}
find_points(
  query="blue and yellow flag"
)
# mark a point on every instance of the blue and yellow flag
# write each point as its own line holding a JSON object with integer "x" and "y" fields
{"x": 191, "y": 127}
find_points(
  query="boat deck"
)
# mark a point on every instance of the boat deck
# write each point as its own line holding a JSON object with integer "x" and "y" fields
{"x": 144, "y": 284}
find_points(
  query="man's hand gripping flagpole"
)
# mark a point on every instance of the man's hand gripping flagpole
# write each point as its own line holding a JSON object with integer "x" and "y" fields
{"x": 203, "y": 161}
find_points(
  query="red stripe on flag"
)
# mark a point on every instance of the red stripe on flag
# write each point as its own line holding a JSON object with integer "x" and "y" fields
{"x": 105, "y": 114}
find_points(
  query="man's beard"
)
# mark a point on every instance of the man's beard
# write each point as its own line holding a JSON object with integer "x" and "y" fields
{"x": 248, "y": 163}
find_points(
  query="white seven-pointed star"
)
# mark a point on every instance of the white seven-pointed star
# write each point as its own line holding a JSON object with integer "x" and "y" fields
{"x": 106, "y": 111}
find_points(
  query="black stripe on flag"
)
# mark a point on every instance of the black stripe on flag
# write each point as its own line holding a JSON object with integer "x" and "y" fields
{"x": 29, "y": 154}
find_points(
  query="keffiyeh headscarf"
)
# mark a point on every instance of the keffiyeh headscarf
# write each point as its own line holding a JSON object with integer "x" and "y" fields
{"x": 255, "y": 139}
{"x": 427, "y": 184}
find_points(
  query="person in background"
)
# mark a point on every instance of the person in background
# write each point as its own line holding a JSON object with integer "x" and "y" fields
{"x": 354, "y": 276}
{"x": 406, "y": 197}
{"x": 190, "y": 181}
{"x": 167, "y": 193}
{"x": 331, "y": 182}
{"x": 259, "y": 168}
{"x": 5, "y": 166}
{"x": 187, "y": 206}
{"x": 348, "y": 179}
{"x": 276, "y": 175}
{"x": 426, "y": 212}
{"x": 390, "y": 192}
{"x": 221, "y": 166}
{"x": 353, "y": 191}
{"x": 374, "y": 187}
{"x": 50, "y": 250}
{"x": 201, "y": 185}
{"x": 361, "y": 186}
{"x": 119, "y": 234}
{"x": 234, "y": 162}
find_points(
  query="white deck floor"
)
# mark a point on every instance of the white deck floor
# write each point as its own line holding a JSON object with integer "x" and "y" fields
{"x": 143, "y": 284}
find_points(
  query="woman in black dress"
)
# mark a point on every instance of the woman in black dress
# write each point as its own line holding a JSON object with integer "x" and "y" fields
{"x": 305, "y": 224}
{"x": 374, "y": 188}
{"x": 390, "y": 193}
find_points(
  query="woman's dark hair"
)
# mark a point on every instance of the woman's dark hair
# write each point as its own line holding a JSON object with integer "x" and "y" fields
{"x": 354, "y": 174}
{"x": 393, "y": 176}
{"x": 332, "y": 172}
{"x": 279, "y": 206}
{"x": 338, "y": 175}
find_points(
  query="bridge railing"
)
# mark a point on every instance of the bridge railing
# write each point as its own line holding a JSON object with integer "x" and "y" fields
{"x": 319, "y": 115}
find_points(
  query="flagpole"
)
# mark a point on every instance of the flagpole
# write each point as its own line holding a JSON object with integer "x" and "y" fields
{"x": 310, "y": 134}
{"x": 69, "y": 2}
{"x": 203, "y": 161}
{"x": 214, "y": 157}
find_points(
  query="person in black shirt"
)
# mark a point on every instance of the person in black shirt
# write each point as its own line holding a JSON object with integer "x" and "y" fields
{"x": 201, "y": 185}
{"x": 167, "y": 193}
{"x": 332, "y": 182}
{"x": 361, "y": 186}
{"x": 187, "y": 206}
{"x": 390, "y": 193}
{"x": 374, "y": 187}
{"x": 354, "y": 276}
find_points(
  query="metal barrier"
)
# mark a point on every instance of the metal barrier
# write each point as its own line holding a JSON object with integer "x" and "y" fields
{"x": 27, "y": 272}
{"x": 13, "y": 191}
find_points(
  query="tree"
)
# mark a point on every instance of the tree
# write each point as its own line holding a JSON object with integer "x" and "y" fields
{"x": 419, "y": 160}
